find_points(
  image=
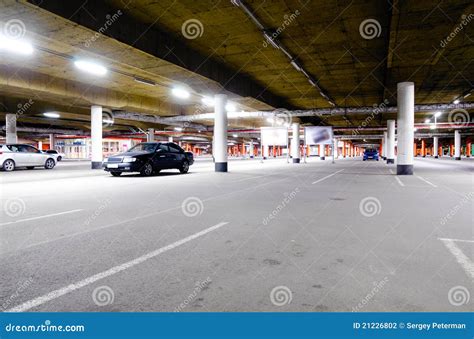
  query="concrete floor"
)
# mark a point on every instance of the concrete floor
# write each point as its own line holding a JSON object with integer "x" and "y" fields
{"x": 272, "y": 236}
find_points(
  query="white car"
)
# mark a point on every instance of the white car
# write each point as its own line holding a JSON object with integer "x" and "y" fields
{"x": 20, "y": 155}
{"x": 58, "y": 156}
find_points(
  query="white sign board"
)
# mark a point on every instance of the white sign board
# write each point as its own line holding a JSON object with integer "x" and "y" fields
{"x": 274, "y": 136}
{"x": 318, "y": 135}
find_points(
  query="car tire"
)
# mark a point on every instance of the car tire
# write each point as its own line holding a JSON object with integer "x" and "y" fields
{"x": 49, "y": 164}
{"x": 116, "y": 174}
{"x": 8, "y": 165}
{"x": 30, "y": 167}
{"x": 60, "y": 158}
{"x": 146, "y": 170}
{"x": 364, "y": 159}
{"x": 184, "y": 167}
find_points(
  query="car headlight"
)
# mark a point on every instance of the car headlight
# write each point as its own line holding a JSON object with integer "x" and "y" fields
{"x": 129, "y": 159}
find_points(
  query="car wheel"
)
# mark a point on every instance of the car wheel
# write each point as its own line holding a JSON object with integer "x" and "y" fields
{"x": 116, "y": 174}
{"x": 8, "y": 165}
{"x": 30, "y": 167}
{"x": 184, "y": 167}
{"x": 59, "y": 158}
{"x": 147, "y": 170}
{"x": 49, "y": 164}
{"x": 364, "y": 159}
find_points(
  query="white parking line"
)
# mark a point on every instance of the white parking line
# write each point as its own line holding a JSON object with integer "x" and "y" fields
{"x": 456, "y": 240}
{"x": 40, "y": 217}
{"x": 327, "y": 176}
{"x": 114, "y": 270}
{"x": 461, "y": 258}
{"x": 428, "y": 182}
{"x": 399, "y": 181}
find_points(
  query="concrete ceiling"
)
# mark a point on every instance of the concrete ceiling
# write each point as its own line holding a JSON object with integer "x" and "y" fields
{"x": 229, "y": 54}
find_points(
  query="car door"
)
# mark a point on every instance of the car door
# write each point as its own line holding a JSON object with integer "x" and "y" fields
{"x": 19, "y": 155}
{"x": 36, "y": 157}
{"x": 161, "y": 159}
{"x": 176, "y": 155}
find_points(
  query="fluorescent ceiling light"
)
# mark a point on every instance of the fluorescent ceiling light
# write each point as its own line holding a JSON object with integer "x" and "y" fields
{"x": 432, "y": 127}
{"x": 437, "y": 114}
{"x": 230, "y": 107}
{"x": 90, "y": 67}
{"x": 108, "y": 121}
{"x": 427, "y": 121}
{"x": 51, "y": 115}
{"x": 145, "y": 81}
{"x": 456, "y": 101}
{"x": 178, "y": 129}
{"x": 416, "y": 129}
{"x": 270, "y": 39}
{"x": 208, "y": 101}
{"x": 467, "y": 94}
{"x": 15, "y": 46}
{"x": 296, "y": 65}
{"x": 270, "y": 120}
{"x": 234, "y": 135}
{"x": 180, "y": 93}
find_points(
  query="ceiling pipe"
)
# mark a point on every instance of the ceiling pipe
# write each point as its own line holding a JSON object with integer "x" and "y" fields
{"x": 155, "y": 119}
{"x": 46, "y": 130}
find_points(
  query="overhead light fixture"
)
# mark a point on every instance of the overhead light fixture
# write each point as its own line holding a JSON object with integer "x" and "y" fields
{"x": 145, "y": 81}
{"x": 416, "y": 129}
{"x": 90, "y": 67}
{"x": 270, "y": 120}
{"x": 467, "y": 94}
{"x": 312, "y": 82}
{"x": 230, "y": 107}
{"x": 178, "y": 129}
{"x": 234, "y": 135}
{"x": 296, "y": 65}
{"x": 51, "y": 115}
{"x": 457, "y": 101}
{"x": 15, "y": 45}
{"x": 208, "y": 101}
{"x": 427, "y": 121}
{"x": 270, "y": 39}
{"x": 332, "y": 103}
{"x": 180, "y": 93}
{"x": 437, "y": 114}
{"x": 108, "y": 121}
{"x": 432, "y": 127}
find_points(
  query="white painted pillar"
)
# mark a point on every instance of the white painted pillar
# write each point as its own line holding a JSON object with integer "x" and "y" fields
{"x": 40, "y": 145}
{"x": 457, "y": 145}
{"x": 150, "y": 136}
{"x": 96, "y": 137}
{"x": 52, "y": 141}
{"x": 266, "y": 151}
{"x": 295, "y": 143}
{"x": 390, "y": 145}
{"x": 384, "y": 145}
{"x": 251, "y": 149}
{"x": 170, "y": 139}
{"x": 405, "y": 127}
{"x": 334, "y": 149}
{"x": 435, "y": 147}
{"x": 220, "y": 133}
{"x": 10, "y": 126}
{"x": 322, "y": 152}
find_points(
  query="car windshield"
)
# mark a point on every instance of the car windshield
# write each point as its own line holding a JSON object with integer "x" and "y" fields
{"x": 143, "y": 147}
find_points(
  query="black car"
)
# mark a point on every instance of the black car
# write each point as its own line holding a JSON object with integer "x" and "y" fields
{"x": 148, "y": 158}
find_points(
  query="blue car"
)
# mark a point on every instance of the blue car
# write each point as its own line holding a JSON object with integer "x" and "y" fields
{"x": 371, "y": 154}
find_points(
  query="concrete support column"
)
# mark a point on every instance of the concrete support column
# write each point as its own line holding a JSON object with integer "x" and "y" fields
{"x": 405, "y": 127}
{"x": 96, "y": 137}
{"x": 334, "y": 149}
{"x": 150, "y": 136}
{"x": 220, "y": 133}
{"x": 457, "y": 145}
{"x": 10, "y": 126}
{"x": 266, "y": 151}
{"x": 170, "y": 139}
{"x": 321, "y": 152}
{"x": 435, "y": 147}
{"x": 52, "y": 141}
{"x": 40, "y": 145}
{"x": 295, "y": 143}
{"x": 390, "y": 145}
{"x": 251, "y": 151}
{"x": 384, "y": 146}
